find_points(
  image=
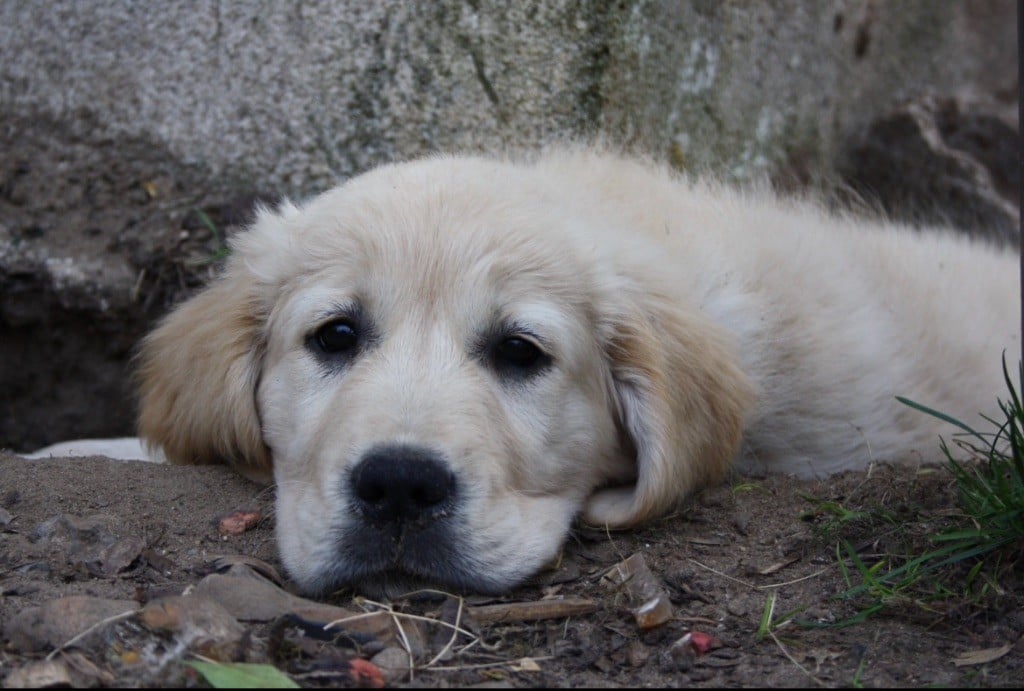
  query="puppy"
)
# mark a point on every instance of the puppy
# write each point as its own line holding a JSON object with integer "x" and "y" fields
{"x": 442, "y": 363}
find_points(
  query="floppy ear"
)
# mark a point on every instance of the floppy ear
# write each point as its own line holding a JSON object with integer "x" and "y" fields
{"x": 197, "y": 375}
{"x": 681, "y": 397}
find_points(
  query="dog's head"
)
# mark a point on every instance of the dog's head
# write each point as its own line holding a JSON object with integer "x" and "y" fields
{"x": 443, "y": 363}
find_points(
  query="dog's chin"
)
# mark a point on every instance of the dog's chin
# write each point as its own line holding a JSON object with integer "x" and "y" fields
{"x": 440, "y": 558}
{"x": 392, "y": 584}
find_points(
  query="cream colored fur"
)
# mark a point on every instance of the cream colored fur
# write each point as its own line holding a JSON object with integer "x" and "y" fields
{"x": 689, "y": 326}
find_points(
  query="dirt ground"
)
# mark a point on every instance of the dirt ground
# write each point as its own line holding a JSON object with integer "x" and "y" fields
{"x": 130, "y": 537}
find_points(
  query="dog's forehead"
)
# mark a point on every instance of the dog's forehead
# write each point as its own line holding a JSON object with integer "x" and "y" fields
{"x": 441, "y": 229}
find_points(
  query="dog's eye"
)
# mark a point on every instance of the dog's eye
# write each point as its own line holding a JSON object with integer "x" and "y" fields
{"x": 518, "y": 353}
{"x": 337, "y": 337}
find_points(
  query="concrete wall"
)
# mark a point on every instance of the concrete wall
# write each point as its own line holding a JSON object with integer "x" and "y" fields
{"x": 293, "y": 94}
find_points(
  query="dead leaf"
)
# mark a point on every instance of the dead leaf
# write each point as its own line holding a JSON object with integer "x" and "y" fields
{"x": 981, "y": 657}
{"x": 223, "y": 564}
{"x": 525, "y": 664}
{"x": 250, "y": 597}
{"x": 777, "y": 566}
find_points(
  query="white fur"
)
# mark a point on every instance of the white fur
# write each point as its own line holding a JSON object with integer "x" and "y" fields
{"x": 123, "y": 448}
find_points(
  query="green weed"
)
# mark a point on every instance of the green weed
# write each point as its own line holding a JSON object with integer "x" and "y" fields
{"x": 770, "y": 623}
{"x": 989, "y": 538}
{"x": 223, "y": 249}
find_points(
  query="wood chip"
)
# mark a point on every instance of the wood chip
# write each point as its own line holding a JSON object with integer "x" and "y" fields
{"x": 652, "y": 604}
{"x": 532, "y": 611}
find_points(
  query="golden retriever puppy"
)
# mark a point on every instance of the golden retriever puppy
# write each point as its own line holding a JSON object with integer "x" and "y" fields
{"x": 443, "y": 363}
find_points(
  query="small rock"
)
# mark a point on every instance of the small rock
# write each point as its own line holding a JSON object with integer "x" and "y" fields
{"x": 115, "y": 558}
{"x": 39, "y": 675}
{"x": 637, "y": 654}
{"x": 73, "y": 530}
{"x": 199, "y": 623}
{"x": 56, "y": 622}
{"x": 393, "y": 664}
{"x": 944, "y": 159}
{"x": 238, "y": 521}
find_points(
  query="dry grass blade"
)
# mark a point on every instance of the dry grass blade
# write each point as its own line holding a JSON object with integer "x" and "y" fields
{"x": 792, "y": 659}
{"x": 451, "y": 641}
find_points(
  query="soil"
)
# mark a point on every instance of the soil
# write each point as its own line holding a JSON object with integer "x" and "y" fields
{"x": 139, "y": 533}
{"x": 99, "y": 235}
{"x": 108, "y": 547}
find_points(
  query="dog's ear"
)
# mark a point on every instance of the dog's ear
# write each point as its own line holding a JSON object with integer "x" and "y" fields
{"x": 680, "y": 397}
{"x": 197, "y": 374}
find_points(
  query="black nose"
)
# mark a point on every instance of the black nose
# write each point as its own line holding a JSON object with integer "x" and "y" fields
{"x": 402, "y": 484}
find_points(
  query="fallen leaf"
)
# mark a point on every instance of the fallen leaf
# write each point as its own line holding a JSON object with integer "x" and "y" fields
{"x": 250, "y": 597}
{"x": 242, "y": 675}
{"x": 525, "y": 664}
{"x": 223, "y": 564}
{"x": 777, "y": 566}
{"x": 980, "y": 657}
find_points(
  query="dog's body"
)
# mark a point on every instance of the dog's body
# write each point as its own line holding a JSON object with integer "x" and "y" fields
{"x": 444, "y": 362}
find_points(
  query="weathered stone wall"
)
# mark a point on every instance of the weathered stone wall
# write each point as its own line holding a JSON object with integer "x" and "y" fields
{"x": 295, "y": 93}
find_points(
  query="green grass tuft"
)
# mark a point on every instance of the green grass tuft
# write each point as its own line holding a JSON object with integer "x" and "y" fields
{"x": 991, "y": 490}
{"x": 988, "y": 539}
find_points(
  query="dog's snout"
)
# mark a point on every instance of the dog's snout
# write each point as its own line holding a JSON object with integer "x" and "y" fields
{"x": 400, "y": 484}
